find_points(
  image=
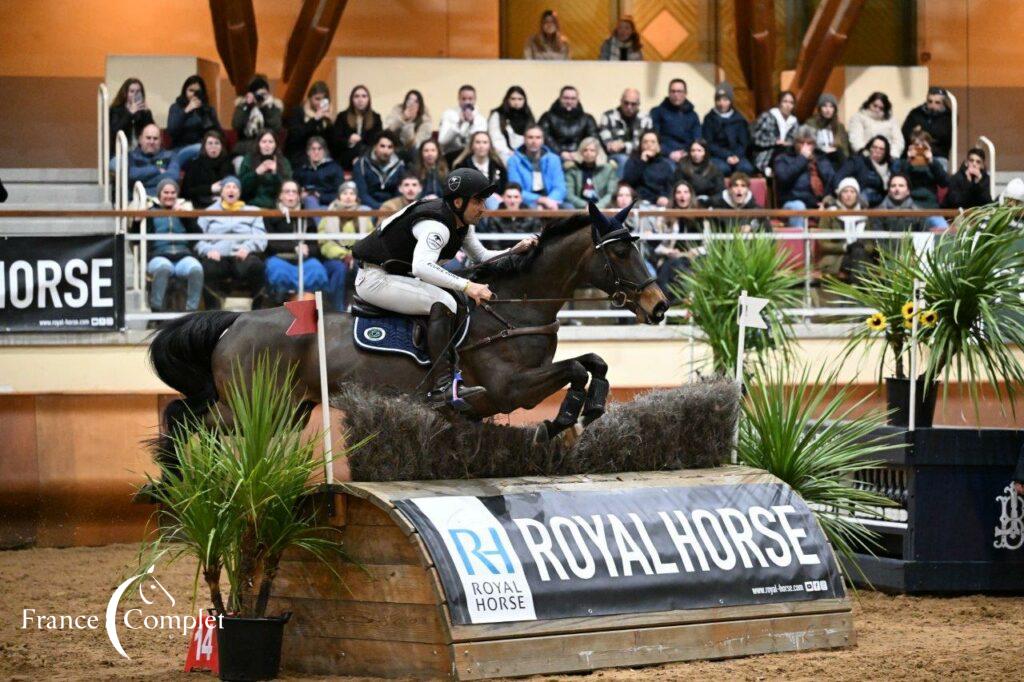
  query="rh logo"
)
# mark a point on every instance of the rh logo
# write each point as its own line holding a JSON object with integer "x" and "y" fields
{"x": 1010, "y": 531}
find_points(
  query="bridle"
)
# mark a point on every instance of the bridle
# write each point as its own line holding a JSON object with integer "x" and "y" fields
{"x": 625, "y": 288}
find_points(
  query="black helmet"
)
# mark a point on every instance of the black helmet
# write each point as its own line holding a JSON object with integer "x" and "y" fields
{"x": 467, "y": 183}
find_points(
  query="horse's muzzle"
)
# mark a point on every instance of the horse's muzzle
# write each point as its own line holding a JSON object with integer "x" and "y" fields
{"x": 652, "y": 304}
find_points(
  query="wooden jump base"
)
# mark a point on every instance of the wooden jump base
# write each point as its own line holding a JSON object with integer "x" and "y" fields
{"x": 392, "y": 617}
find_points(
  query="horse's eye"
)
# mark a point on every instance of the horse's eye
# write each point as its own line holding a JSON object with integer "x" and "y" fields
{"x": 621, "y": 250}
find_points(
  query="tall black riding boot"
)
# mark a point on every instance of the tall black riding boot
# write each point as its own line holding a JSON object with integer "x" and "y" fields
{"x": 448, "y": 390}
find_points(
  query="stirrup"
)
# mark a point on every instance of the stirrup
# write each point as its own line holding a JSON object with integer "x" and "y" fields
{"x": 453, "y": 395}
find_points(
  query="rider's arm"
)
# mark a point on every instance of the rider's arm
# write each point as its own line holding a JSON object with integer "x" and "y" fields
{"x": 431, "y": 237}
{"x": 476, "y": 250}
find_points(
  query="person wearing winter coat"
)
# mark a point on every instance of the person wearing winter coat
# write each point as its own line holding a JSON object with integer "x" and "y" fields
{"x": 547, "y": 44}
{"x": 309, "y": 119}
{"x": 378, "y": 172}
{"x": 897, "y": 198}
{"x": 255, "y": 112}
{"x": 282, "y": 265}
{"x": 846, "y": 258}
{"x": 703, "y": 176}
{"x": 649, "y": 171}
{"x": 969, "y": 187}
{"x": 172, "y": 259}
{"x": 190, "y": 115}
{"x": 263, "y": 171}
{"x": 480, "y": 155}
{"x": 773, "y": 131}
{"x": 431, "y": 168}
{"x": 565, "y": 124}
{"x": 336, "y": 255}
{"x": 829, "y": 132}
{"x": 230, "y": 264}
{"x": 149, "y": 164}
{"x": 538, "y": 170}
{"x": 624, "y": 43}
{"x": 620, "y": 128}
{"x": 872, "y": 168}
{"x": 129, "y": 113}
{"x": 875, "y": 118}
{"x": 672, "y": 257}
{"x": 201, "y": 184}
{"x": 511, "y": 200}
{"x": 508, "y": 123}
{"x": 411, "y": 122}
{"x": 803, "y": 175}
{"x": 675, "y": 121}
{"x": 727, "y": 133}
{"x": 319, "y": 177}
{"x": 738, "y": 196}
{"x": 933, "y": 117}
{"x": 591, "y": 178}
{"x": 355, "y": 129}
{"x": 925, "y": 172}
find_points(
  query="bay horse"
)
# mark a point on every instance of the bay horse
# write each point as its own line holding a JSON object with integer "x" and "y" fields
{"x": 509, "y": 348}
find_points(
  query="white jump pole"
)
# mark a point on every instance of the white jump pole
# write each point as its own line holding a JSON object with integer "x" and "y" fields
{"x": 918, "y": 285}
{"x": 325, "y": 407}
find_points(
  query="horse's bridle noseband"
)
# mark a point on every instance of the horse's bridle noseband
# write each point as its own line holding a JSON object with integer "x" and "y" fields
{"x": 625, "y": 288}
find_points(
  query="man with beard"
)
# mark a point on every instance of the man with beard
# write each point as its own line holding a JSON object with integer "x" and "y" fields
{"x": 622, "y": 127}
{"x": 565, "y": 124}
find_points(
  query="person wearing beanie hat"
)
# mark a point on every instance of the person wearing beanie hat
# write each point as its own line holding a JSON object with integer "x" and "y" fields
{"x": 773, "y": 130}
{"x": 830, "y": 133}
{"x": 336, "y": 256}
{"x": 201, "y": 183}
{"x": 727, "y": 133}
{"x": 231, "y": 264}
{"x": 846, "y": 258}
{"x": 1013, "y": 195}
{"x": 169, "y": 259}
{"x": 255, "y": 111}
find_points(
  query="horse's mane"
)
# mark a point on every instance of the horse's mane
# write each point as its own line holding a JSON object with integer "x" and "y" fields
{"x": 520, "y": 263}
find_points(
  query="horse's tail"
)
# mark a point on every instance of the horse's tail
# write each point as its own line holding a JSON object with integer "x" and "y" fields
{"x": 182, "y": 356}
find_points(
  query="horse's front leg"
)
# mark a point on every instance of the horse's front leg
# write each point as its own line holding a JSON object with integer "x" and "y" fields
{"x": 597, "y": 392}
{"x": 529, "y": 388}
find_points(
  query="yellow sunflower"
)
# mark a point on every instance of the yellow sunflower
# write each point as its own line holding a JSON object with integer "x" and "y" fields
{"x": 928, "y": 318}
{"x": 876, "y": 322}
{"x": 908, "y": 310}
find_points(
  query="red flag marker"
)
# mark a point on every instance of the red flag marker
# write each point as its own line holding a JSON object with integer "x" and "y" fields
{"x": 202, "y": 648}
{"x": 305, "y": 316}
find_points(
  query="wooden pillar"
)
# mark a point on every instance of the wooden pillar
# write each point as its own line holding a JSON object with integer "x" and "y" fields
{"x": 755, "y": 43}
{"x": 234, "y": 28}
{"x": 822, "y": 47}
{"x": 311, "y": 37}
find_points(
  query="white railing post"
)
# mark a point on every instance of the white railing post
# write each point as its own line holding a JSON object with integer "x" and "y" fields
{"x": 954, "y": 111}
{"x": 103, "y": 138}
{"x": 139, "y": 203}
{"x": 991, "y": 164}
{"x": 121, "y": 176}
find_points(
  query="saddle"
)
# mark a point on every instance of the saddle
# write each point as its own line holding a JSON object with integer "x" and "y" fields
{"x": 385, "y": 331}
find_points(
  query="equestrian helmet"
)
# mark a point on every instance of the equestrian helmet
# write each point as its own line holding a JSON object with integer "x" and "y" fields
{"x": 467, "y": 183}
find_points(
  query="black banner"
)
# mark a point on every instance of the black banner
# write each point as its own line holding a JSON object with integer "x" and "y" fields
{"x": 548, "y": 555}
{"x": 62, "y": 284}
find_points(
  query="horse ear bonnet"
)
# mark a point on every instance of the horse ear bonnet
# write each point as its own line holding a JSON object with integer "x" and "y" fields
{"x": 609, "y": 229}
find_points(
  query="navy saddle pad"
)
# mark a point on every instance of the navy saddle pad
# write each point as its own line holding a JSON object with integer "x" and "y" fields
{"x": 394, "y": 334}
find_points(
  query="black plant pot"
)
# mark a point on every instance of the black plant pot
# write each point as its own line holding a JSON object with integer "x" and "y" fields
{"x": 250, "y": 648}
{"x": 897, "y": 393}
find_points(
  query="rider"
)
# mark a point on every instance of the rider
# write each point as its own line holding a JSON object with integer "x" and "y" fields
{"x": 400, "y": 269}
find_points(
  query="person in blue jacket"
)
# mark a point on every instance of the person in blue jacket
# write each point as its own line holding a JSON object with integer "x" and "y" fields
{"x": 378, "y": 172}
{"x": 651, "y": 173}
{"x": 727, "y": 133}
{"x": 538, "y": 171}
{"x": 149, "y": 164}
{"x": 676, "y": 122}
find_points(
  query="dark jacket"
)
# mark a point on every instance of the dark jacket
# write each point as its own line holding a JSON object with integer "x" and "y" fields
{"x": 286, "y": 249}
{"x": 939, "y": 126}
{"x": 1018, "y": 473}
{"x": 705, "y": 178}
{"x": 272, "y": 111}
{"x": 793, "y": 177}
{"x": 726, "y": 136}
{"x": 896, "y": 224}
{"x": 377, "y": 183}
{"x": 563, "y": 129}
{"x": 496, "y": 225}
{"x": 963, "y": 193}
{"x": 872, "y": 185}
{"x": 132, "y": 124}
{"x": 186, "y": 129}
{"x": 677, "y": 127}
{"x": 496, "y": 173}
{"x": 925, "y": 181}
{"x": 652, "y": 178}
{"x": 340, "y": 149}
{"x": 150, "y": 169}
{"x": 300, "y": 128}
{"x": 724, "y": 200}
{"x": 432, "y": 181}
{"x": 200, "y": 174}
{"x": 262, "y": 190}
{"x": 324, "y": 179}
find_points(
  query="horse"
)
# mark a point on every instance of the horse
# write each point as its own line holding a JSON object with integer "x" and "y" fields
{"x": 509, "y": 348}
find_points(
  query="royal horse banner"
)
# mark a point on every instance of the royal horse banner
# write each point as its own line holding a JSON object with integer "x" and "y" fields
{"x": 62, "y": 284}
{"x": 563, "y": 554}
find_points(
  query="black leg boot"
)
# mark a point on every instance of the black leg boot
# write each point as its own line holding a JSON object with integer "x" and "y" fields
{"x": 447, "y": 391}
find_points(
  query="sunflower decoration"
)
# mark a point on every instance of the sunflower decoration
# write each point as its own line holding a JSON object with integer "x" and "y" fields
{"x": 928, "y": 318}
{"x": 908, "y": 310}
{"x": 876, "y": 322}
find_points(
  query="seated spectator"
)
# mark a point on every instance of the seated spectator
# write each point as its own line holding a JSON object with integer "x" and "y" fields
{"x": 355, "y": 129}
{"x": 802, "y": 175}
{"x": 924, "y": 171}
{"x": 737, "y": 196}
{"x": 704, "y": 177}
{"x": 481, "y": 155}
{"x": 458, "y": 123}
{"x": 773, "y": 131}
{"x": 846, "y": 258}
{"x": 172, "y": 259}
{"x": 875, "y": 118}
{"x": 282, "y": 266}
{"x": 201, "y": 184}
{"x": 626, "y": 195}
{"x": 538, "y": 171}
{"x": 624, "y": 43}
{"x": 727, "y": 133}
{"x": 508, "y": 123}
{"x": 675, "y": 121}
{"x": 511, "y": 200}
{"x": 336, "y": 255}
{"x": 409, "y": 190}
{"x": 431, "y": 168}
{"x": 565, "y": 124}
{"x": 548, "y": 43}
{"x": 378, "y": 172}
{"x": 650, "y": 172}
{"x": 319, "y": 177}
{"x": 969, "y": 187}
{"x": 621, "y": 127}
{"x": 255, "y": 112}
{"x": 190, "y": 115}
{"x": 410, "y": 122}
{"x": 933, "y": 117}
{"x": 830, "y": 133}
{"x": 231, "y": 264}
{"x": 129, "y": 113}
{"x": 263, "y": 171}
{"x": 872, "y": 168}
{"x": 897, "y": 198}
{"x": 309, "y": 119}
{"x": 591, "y": 178}
{"x": 1013, "y": 195}
{"x": 149, "y": 164}
{"x": 674, "y": 257}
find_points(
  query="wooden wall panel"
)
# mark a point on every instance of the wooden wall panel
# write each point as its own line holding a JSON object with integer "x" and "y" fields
{"x": 19, "y": 471}
{"x": 47, "y": 122}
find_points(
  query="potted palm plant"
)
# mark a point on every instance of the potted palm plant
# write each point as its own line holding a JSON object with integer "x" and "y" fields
{"x": 235, "y": 504}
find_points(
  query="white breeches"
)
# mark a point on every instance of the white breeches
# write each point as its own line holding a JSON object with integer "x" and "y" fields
{"x": 406, "y": 295}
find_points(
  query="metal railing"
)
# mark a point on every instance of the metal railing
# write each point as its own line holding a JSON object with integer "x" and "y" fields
{"x": 991, "y": 147}
{"x": 954, "y": 112}
{"x": 103, "y": 138}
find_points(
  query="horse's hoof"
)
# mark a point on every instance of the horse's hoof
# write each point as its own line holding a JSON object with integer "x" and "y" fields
{"x": 540, "y": 436}
{"x": 591, "y": 417}
{"x": 570, "y": 436}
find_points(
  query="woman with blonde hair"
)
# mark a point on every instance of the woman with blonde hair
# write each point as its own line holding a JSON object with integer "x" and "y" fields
{"x": 548, "y": 43}
{"x": 481, "y": 155}
{"x": 591, "y": 177}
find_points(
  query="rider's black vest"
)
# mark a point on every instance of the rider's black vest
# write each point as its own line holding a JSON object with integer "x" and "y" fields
{"x": 392, "y": 243}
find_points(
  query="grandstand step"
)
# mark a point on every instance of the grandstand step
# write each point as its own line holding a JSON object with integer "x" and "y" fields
{"x": 56, "y": 226}
{"x": 53, "y": 194}
{"x": 48, "y": 175}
